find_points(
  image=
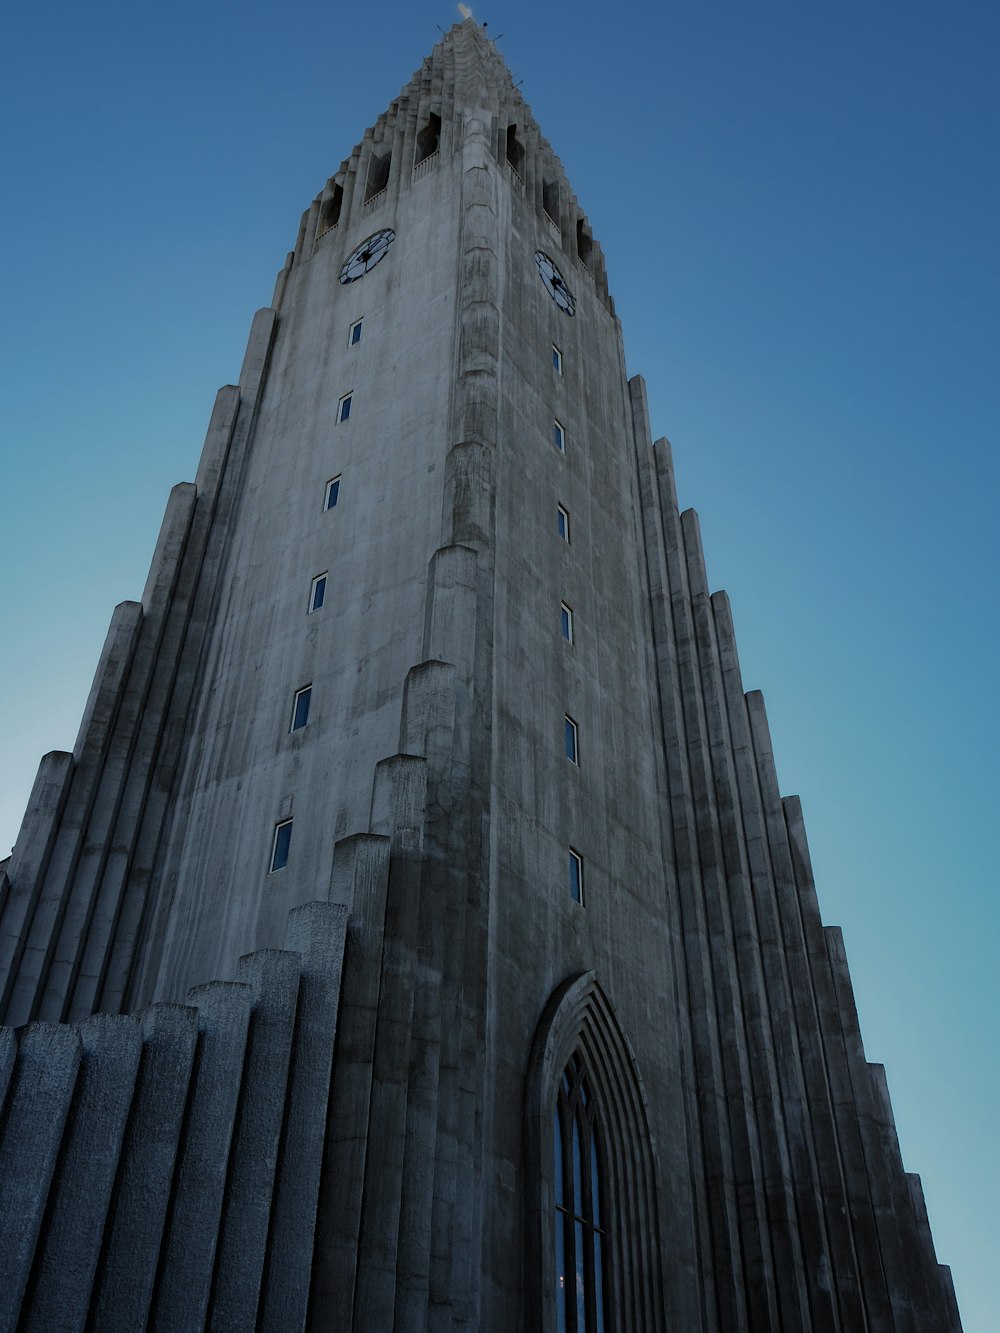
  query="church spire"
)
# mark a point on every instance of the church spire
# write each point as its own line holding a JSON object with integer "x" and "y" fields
{"x": 465, "y": 77}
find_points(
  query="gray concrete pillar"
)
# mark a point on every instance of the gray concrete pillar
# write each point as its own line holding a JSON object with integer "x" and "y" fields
{"x": 182, "y": 1292}
{"x": 38, "y": 1103}
{"x": 273, "y": 977}
{"x": 317, "y": 932}
{"x": 66, "y": 1261}
{"x": 137, "y": 1215}
{"x": 26, "y": 870}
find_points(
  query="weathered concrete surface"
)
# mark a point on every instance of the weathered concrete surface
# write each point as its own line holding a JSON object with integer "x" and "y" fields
{"x": 367, "y": 1150}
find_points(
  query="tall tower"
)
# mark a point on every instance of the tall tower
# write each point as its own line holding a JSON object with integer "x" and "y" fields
{"x": 428, "y": 668}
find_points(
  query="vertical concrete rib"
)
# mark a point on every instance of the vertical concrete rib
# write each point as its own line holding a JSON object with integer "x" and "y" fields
{"x": 917, "y": 1291}
{"x": 138, "y": 1211}
{"x": 317, "y": 932}
{"x": 463, "y": 1111}
{"x": 724, "y": 1287}
{"x": 790, "y": 1013}
{"x": 107, "y": 973}
{"x": 940, "y": 1315}
{"x": 360, "y": 877}
{"x": 131, "y": 747}
{"x": 8, "y": 1054}
{"x": 108, "y": 964}
{"x": 426, "y": 727}
{"x": 850, "y": 1148}
{"x": 374, "y": 1296}
{"x": 744, "y": 1125}
{"x": 55, "y": 825}
{"x": 38, "y": 1103}
{"x": 27, "y": 866}
{"x": 755, "y": 1060}
{"x": 891, "y": 1249}
{"x": 183, "y": 1284}
{"x": 649, "y": 521}
{"x": 191, "y": 606}
{"x": 360, "y": 874}
{"x": 63, "y": 1273}
{"x": 273, "y": 977}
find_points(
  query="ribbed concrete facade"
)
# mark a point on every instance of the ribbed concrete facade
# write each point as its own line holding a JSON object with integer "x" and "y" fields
{"x": 521, "y": 694}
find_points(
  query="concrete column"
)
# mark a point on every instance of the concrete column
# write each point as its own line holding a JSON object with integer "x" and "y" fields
{"x": 469, "y": 504}
{"x": 132, "y": 747}
{"x": 8, "y": 1054}
{"x": 66, "y": 1261}
{"x": 38, "y": 1103}
{"x": 317, "y": 932}
{"x": 26, "y": 870}
{"x": 748, "y": 987}
{"x": 399, "y": 802}
{"x": 361, "y": 870}
{"x": 137, "y": 1215}
{"x": 890, "y": 1244}
{"x": 449, "y": 625}
{"x": 273, "y": 977}
{"x": 850, "y": 1149}
{"x": 130, "y": 975}
{"x": 724, "y": 1293}
{"x": 189, "y": 1244}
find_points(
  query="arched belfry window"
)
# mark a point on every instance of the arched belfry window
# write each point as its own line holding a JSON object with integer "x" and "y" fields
{"x": 579, "y": 1239}
{"x": 592, "y": 1248}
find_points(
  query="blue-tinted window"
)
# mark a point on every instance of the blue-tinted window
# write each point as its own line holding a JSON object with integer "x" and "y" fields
{"x": 317, "y": 593}
{"x": 576, "y": 876}
{"x": 572, "y": 740}
{"x": 559, "y": 436}
{"x": 562, "y": 522}
{"x": 566, "y": 622}
{"x": 356, "y": 331}
{"x": 556, "y": 359}
{"x": 344, "y": 410}
{"x": 300, "y": 708}
{"x": 580, "y": 1254}
{"x": 282, "y": 842}
{"x": 332, "y": 493}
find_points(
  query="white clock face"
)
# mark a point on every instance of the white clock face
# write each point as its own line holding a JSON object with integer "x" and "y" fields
{"x": 555, "y": 282}
{"x": 367, "y": 255}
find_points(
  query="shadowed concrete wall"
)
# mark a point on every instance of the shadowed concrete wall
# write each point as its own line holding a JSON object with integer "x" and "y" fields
{"x": 163, "y": 1170}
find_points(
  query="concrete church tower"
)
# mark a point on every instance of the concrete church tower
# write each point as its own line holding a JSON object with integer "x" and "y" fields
{"x": 429, "y": 734}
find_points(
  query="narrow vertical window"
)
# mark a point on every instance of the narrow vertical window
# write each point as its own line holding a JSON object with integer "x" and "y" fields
{"x": 280, "y": 844}
{"x": 354, "y": 335}
{"x": 579, "y": 1233}
{"x": 332, "y": 493}
{"x": 562, "y": 522}
{"x": 572, "y": 739}
{"x": 317, "y": 592}
{"x": 300, "y": 708}
{"x": 559, "y": 436}
{"x": 566, "y": 622}
{"x": 556, "y": 359}
{"x": 576, "y": 876}
{"x": 344, "y": 407}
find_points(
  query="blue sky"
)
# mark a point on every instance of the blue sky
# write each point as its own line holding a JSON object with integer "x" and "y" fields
{"x": 799, "y": 208}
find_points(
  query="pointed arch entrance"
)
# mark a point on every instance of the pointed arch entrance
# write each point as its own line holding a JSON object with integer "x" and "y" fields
{"x": 592, "y": 1259}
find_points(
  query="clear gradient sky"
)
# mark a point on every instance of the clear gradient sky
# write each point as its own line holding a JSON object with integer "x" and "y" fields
{"x": 800, "y": 211}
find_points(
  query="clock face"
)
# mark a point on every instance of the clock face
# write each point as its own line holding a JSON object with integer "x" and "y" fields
{"x": 367, "y": 255}
{"x": 555, "y": 282}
